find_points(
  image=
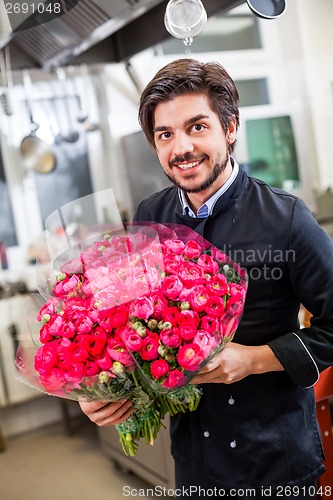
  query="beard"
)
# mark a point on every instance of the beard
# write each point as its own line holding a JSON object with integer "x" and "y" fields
{"x": 218, "y": 169}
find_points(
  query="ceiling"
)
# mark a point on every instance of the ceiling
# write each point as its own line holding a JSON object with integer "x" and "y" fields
{"x": 89, "y": 31}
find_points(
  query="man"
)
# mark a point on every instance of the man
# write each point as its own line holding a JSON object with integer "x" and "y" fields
{"x": 255, "y": 428}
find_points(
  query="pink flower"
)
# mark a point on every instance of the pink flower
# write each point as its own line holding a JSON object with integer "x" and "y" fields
{"x": 175, "y": 246}
{"x": 141, "y": 308}
{"x": 53, "y": 380}
{"x": 120, "y": 353}
{"x": 46, "y": 357}
{"x": 96, "y": 341}
{"x": 187, "y": 331}
{"x": 48, "y": 308}
{"x": 68, "y": 285}
{"x": 73, "y": 266}
{"x": 190, "y": 356}
{"x": 176, "y": 378}
{"x": 190, "y": 317}
{"x": 170, "y": 338}
{"x": 171, "y": 315}
{"x": 208, "y": 264}
{"x": 171, "y": 287}
{"x": 75, "y": 373}
{"x": 159, "y": 304}
{"x": 192, "y": 250}
{"x": 210, "y": 324}
{"x": 190, "y": 274}
{"x": 172, "y": 262}
{"x": 118, "y": 315}
{"x": 149, "y": 349}
{"x": 206, "y": 342}
{"x": 91, "y": 369}
{"x": 159, "y": 368}
{"x": 132, "y": 340}
{"x": 218, "y": 284}
{"x": 199, "y": 298}
{"x": 104, "y": 361}
{"x": 215, "y": 306}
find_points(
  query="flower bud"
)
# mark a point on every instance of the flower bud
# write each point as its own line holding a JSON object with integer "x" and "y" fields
{"x": 142, "y": 331}
{"x": 103, "y": 377}
{"x": 61, "y": 277}
{"x": 117, "y": 367}
{"x": 185, "y": 305}
{"x": 46, "y": 318}
{"x": 166, "y": 325}
{"x": 101, "y": 248}
{"x": 152, "y": 324}
{"x": 169, "y": 357}
{"x": 137, "y": 325}
{"x": 162, "y": 350}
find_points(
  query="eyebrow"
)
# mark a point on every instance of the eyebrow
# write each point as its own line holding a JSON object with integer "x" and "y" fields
{"x": 188, "y": 122}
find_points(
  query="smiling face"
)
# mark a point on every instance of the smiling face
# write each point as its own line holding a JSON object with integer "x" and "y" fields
{"x": 192, "y": 146}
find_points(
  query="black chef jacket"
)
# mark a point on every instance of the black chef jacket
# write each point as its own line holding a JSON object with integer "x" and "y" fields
{"x": 262, "y": 431}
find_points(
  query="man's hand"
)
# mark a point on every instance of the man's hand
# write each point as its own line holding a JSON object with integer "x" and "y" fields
{"x": 236, "y": 362}
{"x": 107, "y": 414}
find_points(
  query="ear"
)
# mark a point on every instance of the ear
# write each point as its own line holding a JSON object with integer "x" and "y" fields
{"x": 232, "y": 130}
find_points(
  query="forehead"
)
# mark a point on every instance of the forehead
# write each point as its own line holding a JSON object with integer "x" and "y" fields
{"x": 181, "y": 109}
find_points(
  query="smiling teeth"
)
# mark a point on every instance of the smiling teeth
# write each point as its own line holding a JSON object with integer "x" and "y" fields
{"x": 188, "y": 165}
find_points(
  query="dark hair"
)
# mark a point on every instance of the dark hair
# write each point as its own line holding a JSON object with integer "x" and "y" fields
{"x": 189, "y": 76}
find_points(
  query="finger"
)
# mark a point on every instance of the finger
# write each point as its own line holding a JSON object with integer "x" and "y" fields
{"x": 117, "y": 417}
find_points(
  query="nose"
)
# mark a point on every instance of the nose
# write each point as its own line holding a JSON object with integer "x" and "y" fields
{"x": 182, "y": 144}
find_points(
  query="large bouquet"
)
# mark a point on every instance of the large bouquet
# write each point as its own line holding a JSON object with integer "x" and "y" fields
{"x": 134, "y": 314}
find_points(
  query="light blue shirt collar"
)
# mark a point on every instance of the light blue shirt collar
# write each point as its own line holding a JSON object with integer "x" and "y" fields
{"x": 207, "y": 208}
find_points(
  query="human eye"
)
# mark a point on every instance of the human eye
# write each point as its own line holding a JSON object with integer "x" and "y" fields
{"x": 164, "y": 136}
{"x": 198, "y": 127}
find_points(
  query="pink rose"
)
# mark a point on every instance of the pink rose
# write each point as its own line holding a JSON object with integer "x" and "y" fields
{"x": 190, "y": 356}
{"x": 176, "y": 378}
{"x": 159, "y": 368}
{"x": 188, "y": 316}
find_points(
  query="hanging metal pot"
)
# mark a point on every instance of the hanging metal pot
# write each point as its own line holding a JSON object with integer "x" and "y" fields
{"x": 37, "y": 155}
{"x": 267, "y": 9}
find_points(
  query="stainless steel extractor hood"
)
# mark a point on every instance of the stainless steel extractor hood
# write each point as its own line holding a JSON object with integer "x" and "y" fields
{"x": 89, "y": 31}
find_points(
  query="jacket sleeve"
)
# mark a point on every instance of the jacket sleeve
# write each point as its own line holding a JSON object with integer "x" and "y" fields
{"x": 308, "y": 351}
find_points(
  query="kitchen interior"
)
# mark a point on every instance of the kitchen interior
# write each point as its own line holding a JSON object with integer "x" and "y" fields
{"x": 69, "y": 93}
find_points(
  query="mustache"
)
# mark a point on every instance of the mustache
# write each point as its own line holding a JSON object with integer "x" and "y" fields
{"x": 187, "y": 157}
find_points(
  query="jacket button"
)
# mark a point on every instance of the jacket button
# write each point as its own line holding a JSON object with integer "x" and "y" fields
{"x": 206, "y": 434}
{"x": 231, "y": 400}
{"x": 233, "y": 444}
